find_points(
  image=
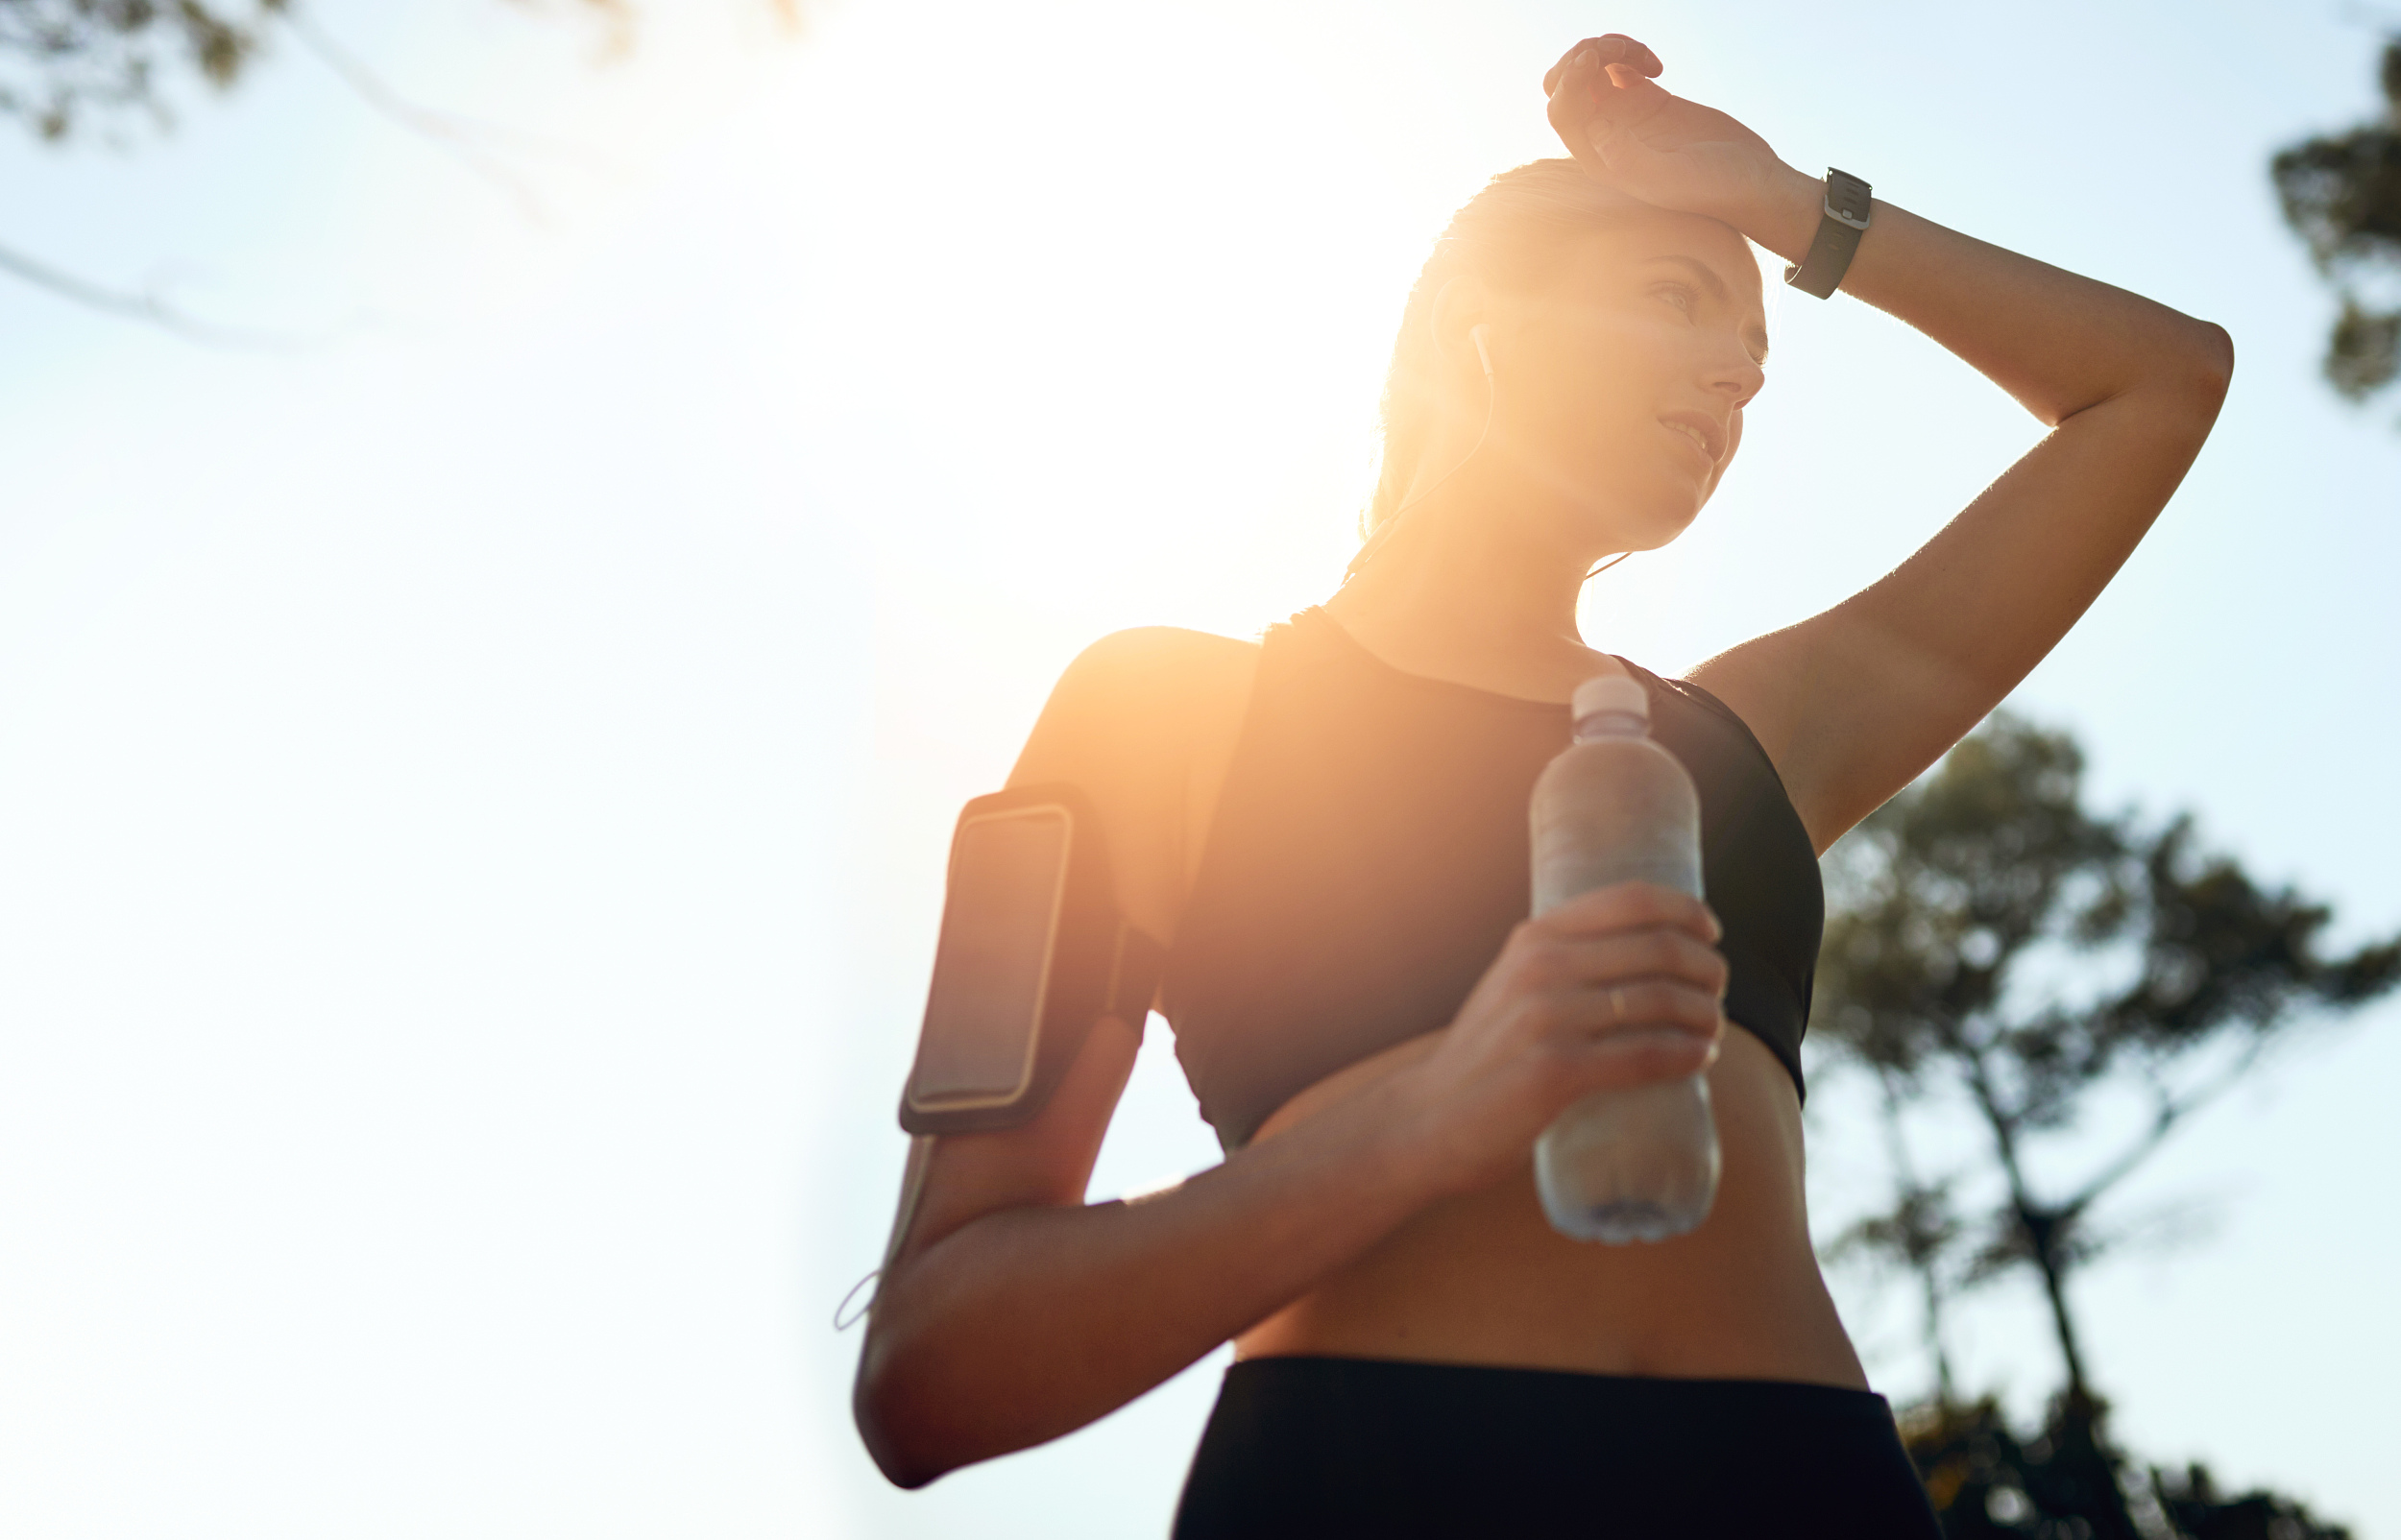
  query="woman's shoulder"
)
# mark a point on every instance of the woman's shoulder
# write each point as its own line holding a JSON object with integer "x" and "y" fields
{"x": 1160, "y": 684}
{"x": 1148, "y": 658}
{"x": 1144, "y": 721}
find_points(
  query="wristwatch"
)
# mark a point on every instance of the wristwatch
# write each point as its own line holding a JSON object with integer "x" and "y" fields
{"x": 1847, "y": 206}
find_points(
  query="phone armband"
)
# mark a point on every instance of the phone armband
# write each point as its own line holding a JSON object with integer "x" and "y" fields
{"x": 1033, "y": 953}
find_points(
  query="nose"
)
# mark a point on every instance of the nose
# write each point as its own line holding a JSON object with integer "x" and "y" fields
{"x": 1734, "y": 374}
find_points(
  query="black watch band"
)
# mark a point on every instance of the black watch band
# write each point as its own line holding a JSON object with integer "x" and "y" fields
{"x": 1847, "y": 206}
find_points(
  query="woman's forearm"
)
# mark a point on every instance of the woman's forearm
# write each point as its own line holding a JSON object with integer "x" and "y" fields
{"x": 1013, "y": 1312}
{"x": 1029, "y": 1322}
{"x": 1854, "y": 701}
{"x": 2057, "y": 342}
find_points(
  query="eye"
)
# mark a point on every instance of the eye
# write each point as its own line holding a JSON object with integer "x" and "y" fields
{"x": 1682, "y": 296}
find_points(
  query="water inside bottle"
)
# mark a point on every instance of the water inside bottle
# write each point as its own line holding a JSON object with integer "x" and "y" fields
{"x": 1618, "y": 1224}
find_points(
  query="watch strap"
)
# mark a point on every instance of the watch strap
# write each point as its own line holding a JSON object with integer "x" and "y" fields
{"x": 1848, "y": 206}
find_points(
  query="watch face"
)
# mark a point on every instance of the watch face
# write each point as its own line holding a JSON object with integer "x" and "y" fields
{"x": 1847, "y": 198}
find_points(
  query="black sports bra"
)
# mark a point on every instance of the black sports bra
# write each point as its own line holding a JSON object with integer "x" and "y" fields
{"x": 1369, "y": 856}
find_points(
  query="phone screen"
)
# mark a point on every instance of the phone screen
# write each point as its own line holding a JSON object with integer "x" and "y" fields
{"x": 1008, "y": 874}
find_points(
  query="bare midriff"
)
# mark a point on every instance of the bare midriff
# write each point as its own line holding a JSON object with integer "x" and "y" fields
{"x": 1482, "y": 1277}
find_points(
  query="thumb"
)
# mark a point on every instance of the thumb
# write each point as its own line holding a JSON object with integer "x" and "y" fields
{"x": 1633, "y": 95}
{"x": 1629, "y": 100}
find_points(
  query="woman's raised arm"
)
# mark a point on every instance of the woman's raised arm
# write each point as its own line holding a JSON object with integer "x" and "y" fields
{"x": 1854, "y": 702}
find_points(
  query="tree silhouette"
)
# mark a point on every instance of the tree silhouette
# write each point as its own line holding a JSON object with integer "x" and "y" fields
{"x": 1997, "y": 944}
{"x": 2341, "y": 195}
{"x": 1987, "y": 1483}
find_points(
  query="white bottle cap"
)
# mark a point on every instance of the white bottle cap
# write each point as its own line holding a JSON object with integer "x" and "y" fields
{"x": 1620, "y": 693}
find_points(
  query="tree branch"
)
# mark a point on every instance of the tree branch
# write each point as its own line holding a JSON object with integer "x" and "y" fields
{"x": 2171, "y": 1110}
{"x": 467, "y": 139}
{"x": 456, "y": 136}
{"x": 147, "y": 306}
{"x": 1922, "y": 1258}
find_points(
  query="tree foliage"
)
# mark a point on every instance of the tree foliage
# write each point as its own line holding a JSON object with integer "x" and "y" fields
{"x": 69, "y": 68}
{"x": 66, "y": 64}
{"x": 1988, "y": 1483}
{"x": 2341, "y": 195}
{"x": 2065, "y": 978}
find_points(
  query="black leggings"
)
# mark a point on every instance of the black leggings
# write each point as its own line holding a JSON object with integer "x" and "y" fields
{"x": 1331, "y": 1447}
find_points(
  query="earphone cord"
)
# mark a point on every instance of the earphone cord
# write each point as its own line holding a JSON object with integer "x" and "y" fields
{"x": 1376, "y": 541}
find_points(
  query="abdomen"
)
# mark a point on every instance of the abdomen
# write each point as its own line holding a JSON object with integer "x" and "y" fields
{"x": 1482, "y": 1278}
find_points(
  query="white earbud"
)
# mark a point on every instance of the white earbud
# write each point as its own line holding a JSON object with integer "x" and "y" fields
{"x": 1483, "y": 357}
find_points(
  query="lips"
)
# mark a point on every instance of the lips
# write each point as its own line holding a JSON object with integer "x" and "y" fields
{"x": 1708, "y": 436}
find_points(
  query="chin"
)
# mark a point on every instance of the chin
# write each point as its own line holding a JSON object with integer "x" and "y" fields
{"x": 1649, "y": 522}
{"x": 1641, "y": 513}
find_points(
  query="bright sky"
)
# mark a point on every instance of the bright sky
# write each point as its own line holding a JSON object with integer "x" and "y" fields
{"x": 472, "y": 793}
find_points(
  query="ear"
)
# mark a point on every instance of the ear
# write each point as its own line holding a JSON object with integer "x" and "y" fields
{"x": 1462, "y": 305}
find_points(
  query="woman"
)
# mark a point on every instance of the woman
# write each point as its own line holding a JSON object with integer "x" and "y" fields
{"x": 1330, "y": 824}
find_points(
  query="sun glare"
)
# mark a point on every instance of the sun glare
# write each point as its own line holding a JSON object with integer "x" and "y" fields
{"x": 1123, "y": 288}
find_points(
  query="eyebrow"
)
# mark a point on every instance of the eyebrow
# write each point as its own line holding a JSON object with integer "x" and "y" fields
{"x": 1716, "y": 286}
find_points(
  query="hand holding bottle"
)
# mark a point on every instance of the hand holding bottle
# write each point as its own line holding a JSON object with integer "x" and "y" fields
{"x": 1616, "y": 988}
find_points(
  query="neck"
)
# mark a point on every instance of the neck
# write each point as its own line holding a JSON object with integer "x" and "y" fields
{"x": 1466, "y": 576}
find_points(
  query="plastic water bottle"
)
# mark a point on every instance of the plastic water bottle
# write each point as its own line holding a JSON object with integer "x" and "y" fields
{"x": 1639, "y": 1164}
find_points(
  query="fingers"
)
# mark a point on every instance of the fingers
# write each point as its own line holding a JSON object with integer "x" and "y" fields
{"x": 1616, "y": 48}
{"x": 1625, "y": 956}
{"x": 1625, "y": 906}
{"x": 1574, "y": 89}
{"x": 1629, "y": 96}
{"x": 1636, "y": 1009}
{"x": 1599, "y": 93}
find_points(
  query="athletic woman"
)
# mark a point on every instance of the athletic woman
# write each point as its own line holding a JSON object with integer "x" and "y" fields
{"x": 1330, "y": 825}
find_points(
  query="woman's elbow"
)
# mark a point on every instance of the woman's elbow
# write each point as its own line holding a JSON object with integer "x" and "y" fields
{"x": 2183, "y": 379}
{"x": 2211, "y": 368}
{"x": 888, "y": 1403}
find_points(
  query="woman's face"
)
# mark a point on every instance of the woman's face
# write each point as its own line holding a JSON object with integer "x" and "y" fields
{"x": 1629, "y": 374}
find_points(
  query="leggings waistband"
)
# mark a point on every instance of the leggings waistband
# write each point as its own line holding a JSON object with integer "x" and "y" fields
{"x": 1323, "y": 1446}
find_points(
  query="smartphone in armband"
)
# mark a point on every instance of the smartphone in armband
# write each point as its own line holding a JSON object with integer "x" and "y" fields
{"x": 1033, "y": 951}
